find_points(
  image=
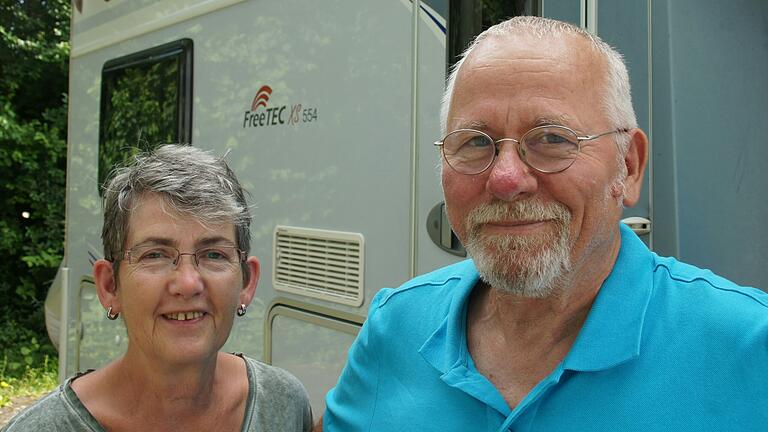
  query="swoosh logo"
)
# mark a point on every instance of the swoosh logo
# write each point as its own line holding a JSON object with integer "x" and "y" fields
{"x": 262, "y": 97}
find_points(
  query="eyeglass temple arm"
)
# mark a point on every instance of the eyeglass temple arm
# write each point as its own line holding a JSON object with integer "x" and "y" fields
{"x": 591, "y": 137}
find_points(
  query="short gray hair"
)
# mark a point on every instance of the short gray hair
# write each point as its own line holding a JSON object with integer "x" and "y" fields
{"x": 617, "y": 98}
{"x": 192, "y": 182}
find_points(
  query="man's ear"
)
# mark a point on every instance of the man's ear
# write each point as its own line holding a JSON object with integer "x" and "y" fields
{"x": 249, "y": 288}
{"x": 635, "y": 161}
{"x": 106, "y": 285}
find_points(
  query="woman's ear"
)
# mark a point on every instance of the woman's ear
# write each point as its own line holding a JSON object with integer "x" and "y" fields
{"x": 249, "y": 288}
{"x": 106, "y": 285}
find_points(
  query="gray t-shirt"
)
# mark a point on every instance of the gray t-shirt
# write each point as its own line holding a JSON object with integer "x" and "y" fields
{"x": 276, "y": 402}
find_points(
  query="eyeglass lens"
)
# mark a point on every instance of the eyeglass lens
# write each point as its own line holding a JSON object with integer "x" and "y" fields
{"x": 547, "y": 148}
{"x": 161, "y": 259}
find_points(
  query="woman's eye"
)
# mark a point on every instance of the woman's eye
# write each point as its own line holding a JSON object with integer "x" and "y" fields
{"x": 214, "y": 255}
{"x": 154, "y": 255}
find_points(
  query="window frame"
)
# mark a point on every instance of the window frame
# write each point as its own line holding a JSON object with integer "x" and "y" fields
{"x": 181, "y": 49}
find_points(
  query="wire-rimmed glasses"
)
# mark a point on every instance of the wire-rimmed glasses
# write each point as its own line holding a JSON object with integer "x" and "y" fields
{"x": 547, "y": 149}
{"x": 160, "y": 259}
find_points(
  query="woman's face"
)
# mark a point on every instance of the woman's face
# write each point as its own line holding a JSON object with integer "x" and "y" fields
{"x": 183, "y": 313}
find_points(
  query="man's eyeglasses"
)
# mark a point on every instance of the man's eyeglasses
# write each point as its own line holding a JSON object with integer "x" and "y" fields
{"x": 164, "y": 259}
{"x": 547, "y": 149}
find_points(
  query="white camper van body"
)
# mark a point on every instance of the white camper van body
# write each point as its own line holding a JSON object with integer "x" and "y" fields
{"x": 328, "y": 110}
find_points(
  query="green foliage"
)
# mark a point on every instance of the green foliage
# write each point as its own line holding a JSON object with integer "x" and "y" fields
{"x": 27, "y": 365}
{"x": 34, "y": 52}
{"x": 25, "y": 349}
{"x": 33, "y": 381}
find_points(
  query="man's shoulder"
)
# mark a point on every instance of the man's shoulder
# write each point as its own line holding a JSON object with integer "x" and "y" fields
{"x": 686, "y": 276}
{"x": 423, "y": 302}
{"x": 430, "y": 285}
{"x": 702, "y": 289}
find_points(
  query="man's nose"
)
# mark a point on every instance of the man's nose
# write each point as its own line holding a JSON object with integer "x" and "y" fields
{"x": 509, "y": 176}
{"x": 186, "y": 280}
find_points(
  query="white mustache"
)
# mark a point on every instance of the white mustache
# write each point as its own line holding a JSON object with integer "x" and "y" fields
{"x": 532, "y": 209}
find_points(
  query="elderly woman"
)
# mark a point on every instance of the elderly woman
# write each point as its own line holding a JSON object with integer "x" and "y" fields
{"x": 176, "y": 239}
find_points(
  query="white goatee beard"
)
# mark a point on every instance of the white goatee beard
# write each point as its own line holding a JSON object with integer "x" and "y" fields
{"x": 530, "y": 266}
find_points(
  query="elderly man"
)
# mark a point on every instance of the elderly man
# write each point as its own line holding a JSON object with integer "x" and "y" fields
{"x": 563, "y": 320}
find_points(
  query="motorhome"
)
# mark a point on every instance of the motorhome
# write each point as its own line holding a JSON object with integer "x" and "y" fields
{"x": 328, "y": 111}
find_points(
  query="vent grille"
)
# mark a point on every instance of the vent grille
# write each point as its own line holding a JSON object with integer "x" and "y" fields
{"x": 320, "y": 264}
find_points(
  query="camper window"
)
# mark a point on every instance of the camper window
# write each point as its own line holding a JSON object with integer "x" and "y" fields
{"x": 146, "y": 101}
{"x": 470, "y": 18}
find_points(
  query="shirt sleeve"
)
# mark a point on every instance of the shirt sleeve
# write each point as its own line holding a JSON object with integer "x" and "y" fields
{"x": 351, "y": 404}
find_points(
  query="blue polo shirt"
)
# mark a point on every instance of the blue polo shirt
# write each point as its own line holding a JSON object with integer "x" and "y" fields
{"x": 666, "y": 347}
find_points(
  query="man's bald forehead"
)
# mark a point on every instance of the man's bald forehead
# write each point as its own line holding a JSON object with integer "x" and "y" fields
{"x": 566, "y": 47}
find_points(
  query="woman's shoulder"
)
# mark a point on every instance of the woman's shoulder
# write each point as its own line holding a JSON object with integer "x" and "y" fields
{"x": 273, "y": 379}
{"x": 52, "y": 412}
{"x": 280, "y": 402}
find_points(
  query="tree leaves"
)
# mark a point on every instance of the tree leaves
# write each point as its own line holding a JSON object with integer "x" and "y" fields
{"x": 34, "y": 50}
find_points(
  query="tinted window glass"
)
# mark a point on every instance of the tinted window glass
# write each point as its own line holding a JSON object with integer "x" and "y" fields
{"x": 468, "y": 18}
{"x": 146, "y": 101}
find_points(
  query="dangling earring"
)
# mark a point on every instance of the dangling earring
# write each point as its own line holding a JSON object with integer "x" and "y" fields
{"x": 110, "y": 316}
{"x": 241, "y": 309}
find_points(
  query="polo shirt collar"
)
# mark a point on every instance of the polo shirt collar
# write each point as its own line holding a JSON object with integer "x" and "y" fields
{"x": 446, "y": 349}
{"x": 610, "y": 336}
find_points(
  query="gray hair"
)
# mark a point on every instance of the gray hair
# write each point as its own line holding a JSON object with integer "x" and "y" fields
{"x": 192, "y": 182}
{"x": 616, "y": 98}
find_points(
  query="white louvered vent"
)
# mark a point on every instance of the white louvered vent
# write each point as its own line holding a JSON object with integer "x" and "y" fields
{"x": 318, "y": 263}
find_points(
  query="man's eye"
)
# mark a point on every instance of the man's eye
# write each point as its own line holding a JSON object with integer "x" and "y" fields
{"x": 547, "y": 141}
{"x": 552, "y": 138}
{"x": 478, "y": 141}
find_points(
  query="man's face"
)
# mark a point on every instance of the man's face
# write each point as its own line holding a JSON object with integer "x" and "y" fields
{"x": 530, "y": 232}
